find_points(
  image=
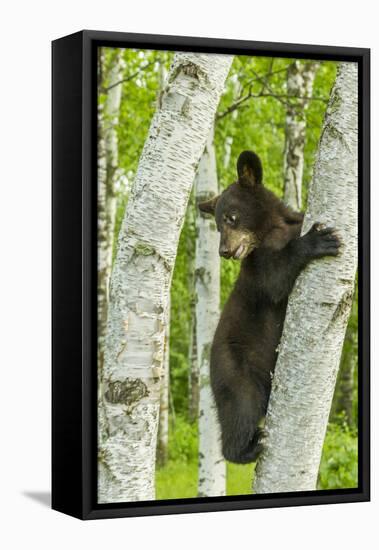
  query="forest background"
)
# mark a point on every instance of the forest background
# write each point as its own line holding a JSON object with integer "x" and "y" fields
{"x": 251, "y": 115}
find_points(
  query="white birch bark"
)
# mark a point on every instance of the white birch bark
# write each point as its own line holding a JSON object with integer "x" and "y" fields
{"x": 318, "y": 309}
{"x": 142, "y": 273}
{"x": 107, "y": 175}
{"x": 193, "y": 374}
{"x": 162, "y": 445}
{"x": 229, "y": 139}
{"x": 300, "y": 78}
{"x": 193, "y": 367}
{"x": 212, "y": 469}
{"x": 107, "y": 155}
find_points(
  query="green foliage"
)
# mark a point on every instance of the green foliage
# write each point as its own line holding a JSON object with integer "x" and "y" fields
{"x": 182, "y": 297}
{"x": 142, "y": 75}
{"x": 183, "y": 438}
{"x": 178, "y": 479}
{"x": 345, "y": 400}
{"x": 239, "y": 478}
{"x": 182, "y": 466}
{"x": 339, "y": 461}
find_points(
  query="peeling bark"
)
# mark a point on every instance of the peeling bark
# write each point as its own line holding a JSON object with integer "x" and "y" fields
{"x": 143, "y": 268}
{"x": 318, "y": 308}
{"x": 212, "y": 470}
{"x": 300, "y": 77}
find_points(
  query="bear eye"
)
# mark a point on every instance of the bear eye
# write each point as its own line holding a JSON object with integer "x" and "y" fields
{"x": 230, "y": 219}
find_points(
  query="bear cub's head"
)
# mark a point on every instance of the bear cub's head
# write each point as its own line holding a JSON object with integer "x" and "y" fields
{"x": 247, "y": 214}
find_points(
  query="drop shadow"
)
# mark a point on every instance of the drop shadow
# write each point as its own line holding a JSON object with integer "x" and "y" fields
{"x": 42, "y": 497}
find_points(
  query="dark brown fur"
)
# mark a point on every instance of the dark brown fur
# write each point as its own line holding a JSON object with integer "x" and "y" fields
{"x": 257, "y": 228}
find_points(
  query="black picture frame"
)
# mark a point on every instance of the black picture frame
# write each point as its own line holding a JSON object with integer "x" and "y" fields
{"x": 74, "y": 204}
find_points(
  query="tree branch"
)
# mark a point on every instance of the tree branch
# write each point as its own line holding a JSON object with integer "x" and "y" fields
{"x": 279, "y": 97}
{"x": 263, "y": 79}
{"x": 267, "y": 75}
{"x": 130, "y": 77}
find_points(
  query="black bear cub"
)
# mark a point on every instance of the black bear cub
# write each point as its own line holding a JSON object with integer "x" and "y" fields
{"x": 259, "y": 229}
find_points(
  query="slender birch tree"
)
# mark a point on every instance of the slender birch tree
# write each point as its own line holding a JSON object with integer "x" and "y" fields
{"x": 344, "y": 393}
{"x": 193, "y": 374}
{"x": 345, "y": 385}
{"x": 193, "y": 366}
{"x": 107, "y": 178}
{"x": 212, "y": 469}
{"x": 162, "y": 444}
{"x": 209, "y": 164}
{"x": 236, "y": 86}
{"x": 318, "y": 308}
{"x": 163, "y": 428}
{"x": 300, "y": 78}
{"x": 142, "y": 273}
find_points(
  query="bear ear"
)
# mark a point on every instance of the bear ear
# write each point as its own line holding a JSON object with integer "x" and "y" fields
{"x": 249, "y": 169}
{"x": 208, "y": 207}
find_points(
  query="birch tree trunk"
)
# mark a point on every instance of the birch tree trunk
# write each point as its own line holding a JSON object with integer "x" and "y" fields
{"x": 107, "y": 170}
{"x": 344, "y": 392}
{"x": 193, "y": 370}
{"x": 344, "y": 402}
{"x": 318, "y": 309}
{"x": 212, "y": 469}
{"x": 300, "y": 77}
{"x": 229, "y": 139}
{"x": 162, "y": 445}
{"x": 142, "y": 274}
{"x": 193, "y": 378}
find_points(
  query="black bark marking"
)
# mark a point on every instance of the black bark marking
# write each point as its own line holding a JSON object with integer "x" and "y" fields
{"x": 341, "y": 310}
{"x": 127, "y": 392}
{"x": 343, "y": 306}
{"x": 192, "y": 70}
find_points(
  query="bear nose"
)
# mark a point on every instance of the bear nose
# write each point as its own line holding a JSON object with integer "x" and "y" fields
{"x": 224, "y": 251}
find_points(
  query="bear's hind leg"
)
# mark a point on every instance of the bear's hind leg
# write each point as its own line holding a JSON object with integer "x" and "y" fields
{"x": 233, "y": 452}
{"x": 240, "y": 432}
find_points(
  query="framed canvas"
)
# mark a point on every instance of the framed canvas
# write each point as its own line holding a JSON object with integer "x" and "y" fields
{"x": 210, "y": 275}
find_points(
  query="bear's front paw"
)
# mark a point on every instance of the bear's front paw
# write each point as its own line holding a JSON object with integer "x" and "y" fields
{"x": 322, "y": 241}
